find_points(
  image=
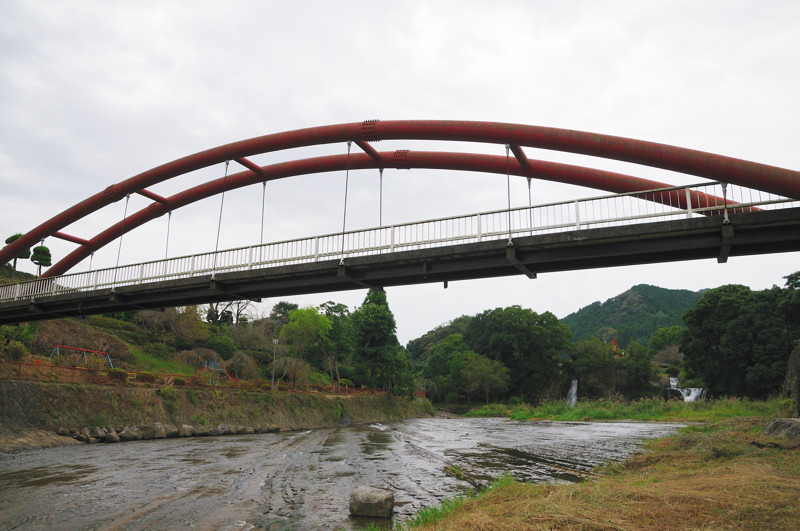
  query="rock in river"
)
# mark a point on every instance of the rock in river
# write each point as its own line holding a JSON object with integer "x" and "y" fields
{"x": 372, "y": 501}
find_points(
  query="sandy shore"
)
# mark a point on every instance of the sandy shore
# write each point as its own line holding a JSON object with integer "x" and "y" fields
{"x": 14, "y": 439}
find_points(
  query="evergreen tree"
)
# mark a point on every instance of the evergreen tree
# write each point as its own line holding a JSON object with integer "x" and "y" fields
{"x": 41, "y": 257}
{"x": 378, "y": 358}
{"x": 23, "y": 254}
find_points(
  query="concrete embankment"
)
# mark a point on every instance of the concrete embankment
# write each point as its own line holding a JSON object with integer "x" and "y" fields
{"x": 31, "y": 408}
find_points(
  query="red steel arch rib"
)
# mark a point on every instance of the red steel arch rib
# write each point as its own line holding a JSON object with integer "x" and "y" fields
{"x": 717, "y": 167}
{"x": 578, "y": 175}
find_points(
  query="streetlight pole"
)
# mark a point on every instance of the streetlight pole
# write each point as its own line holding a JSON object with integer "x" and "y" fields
{"x": 274, "y": 349}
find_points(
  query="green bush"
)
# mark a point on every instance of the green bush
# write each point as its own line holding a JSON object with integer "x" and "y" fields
{"x": 318, "y": 378}
{"x": 14, "y": 350}
{"x": 222, "y": 344}
{"x": 167, "y": 393}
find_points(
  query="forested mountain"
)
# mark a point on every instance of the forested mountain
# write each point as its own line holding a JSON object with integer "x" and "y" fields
{"x": 634, "y": 315}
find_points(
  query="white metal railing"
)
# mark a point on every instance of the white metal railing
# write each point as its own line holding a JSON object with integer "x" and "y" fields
{"x": 605, "y": 211}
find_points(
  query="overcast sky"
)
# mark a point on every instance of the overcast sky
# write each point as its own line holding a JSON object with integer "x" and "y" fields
{"x": 94, "y": 92}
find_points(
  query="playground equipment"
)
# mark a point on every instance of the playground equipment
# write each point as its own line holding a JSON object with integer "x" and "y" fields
{"x": 103, "y": 355}
{"x": 217, "y": 369}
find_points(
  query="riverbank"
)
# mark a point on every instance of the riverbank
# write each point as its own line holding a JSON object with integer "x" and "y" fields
{"x": 724, "y": 474}
{"x": 31, "y": 411}
{"x": 645, "y": 409}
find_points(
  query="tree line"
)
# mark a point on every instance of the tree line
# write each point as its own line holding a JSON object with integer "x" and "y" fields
{"x": 734, "y": 342}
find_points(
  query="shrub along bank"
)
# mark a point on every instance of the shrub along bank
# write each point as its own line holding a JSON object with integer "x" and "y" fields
{"x": 28, "y": 405}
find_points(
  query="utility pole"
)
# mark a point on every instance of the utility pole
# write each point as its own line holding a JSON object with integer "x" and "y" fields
{"x": 274, "y": 349}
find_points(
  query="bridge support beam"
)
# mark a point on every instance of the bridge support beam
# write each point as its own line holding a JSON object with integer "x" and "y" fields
{"x": 727, "y": 242}
{"x": 342, "y": 272}
{"x": 216, "y": 286}
{"x": 511, "y": 256}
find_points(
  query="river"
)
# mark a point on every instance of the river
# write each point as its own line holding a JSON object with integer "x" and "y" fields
{"x": 294, "y": 480}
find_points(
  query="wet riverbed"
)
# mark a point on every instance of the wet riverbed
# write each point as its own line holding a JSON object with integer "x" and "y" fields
{"x": 293, "y": 480}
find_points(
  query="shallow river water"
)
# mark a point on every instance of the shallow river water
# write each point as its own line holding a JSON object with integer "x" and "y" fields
{"x": 294, "y": 480}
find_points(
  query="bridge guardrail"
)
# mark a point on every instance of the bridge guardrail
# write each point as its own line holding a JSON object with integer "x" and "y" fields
{"x": 603, "y": 211}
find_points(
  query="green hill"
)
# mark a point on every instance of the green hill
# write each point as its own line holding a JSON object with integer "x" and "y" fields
{"x": 633, "y": 315}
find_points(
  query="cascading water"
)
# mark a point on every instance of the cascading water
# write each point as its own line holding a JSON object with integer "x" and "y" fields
{"x": 572, "y": 395}
{"x": 693, "y": 394}
{"x": 688, "y": 394}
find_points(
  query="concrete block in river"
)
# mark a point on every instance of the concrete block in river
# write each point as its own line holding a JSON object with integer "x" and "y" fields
{"x": 372, "y": 501}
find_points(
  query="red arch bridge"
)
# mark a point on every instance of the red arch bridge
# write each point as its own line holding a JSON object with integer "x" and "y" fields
{"x": 740, "y": 208}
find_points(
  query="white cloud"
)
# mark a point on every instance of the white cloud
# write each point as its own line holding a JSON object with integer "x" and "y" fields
{"x": 92, "y": 93}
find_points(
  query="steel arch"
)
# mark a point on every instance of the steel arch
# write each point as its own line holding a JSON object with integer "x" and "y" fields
{"x": 578, "y": 175}
{"x": 717, "y": 167}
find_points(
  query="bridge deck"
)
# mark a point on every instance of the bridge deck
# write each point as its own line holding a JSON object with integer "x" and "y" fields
{"x": 681, "y": 239}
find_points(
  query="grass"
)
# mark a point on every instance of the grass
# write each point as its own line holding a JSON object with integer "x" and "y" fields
{"x": 643, "y": 410}
{"x": 716, "y": 475}
{"x": 147, "y": 363}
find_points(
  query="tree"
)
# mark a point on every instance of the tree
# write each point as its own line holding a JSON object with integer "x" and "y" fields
{"x": 665, "y": 347}
{"x": 187, "y": 329}
{"x": 340, "y": 334}
{"x": 229, "y": 313}
{"x": 456, "y": 373}
{"x": 256, "y": 338}
{"x": 307, "y": 334}
{"x": 530, "y": 345}
{"x": 24, "y": 254}
{"x": 738, "y": 341}
{"x": 293, "y": 369}
{"x": 395, "y": 373}
{"x": 443, "y": 366}
{"x": 377, "y": 355}
{"x": 220, "y": 340}
{"x": 243, "y": 366}
{"x": 41, "y": 257}
{"x": 420, "y": 348}
{"x": 280, "y": 312}
{"x": 592, "y": 363}
{"x": 484, "y": 376}
{"x": 638, "y": 371}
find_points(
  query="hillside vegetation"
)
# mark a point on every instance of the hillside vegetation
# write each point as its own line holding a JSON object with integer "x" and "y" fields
{"x": 325, "y": 345}
{"x": 730, "y": 340}
{"x": 634, "y": 315}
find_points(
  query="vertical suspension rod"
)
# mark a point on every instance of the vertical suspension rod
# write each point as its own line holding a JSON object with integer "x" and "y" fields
{"x": 346, "y": 183}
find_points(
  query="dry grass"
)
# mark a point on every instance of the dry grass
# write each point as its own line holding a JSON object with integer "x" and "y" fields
{"x": 710, "y": 478}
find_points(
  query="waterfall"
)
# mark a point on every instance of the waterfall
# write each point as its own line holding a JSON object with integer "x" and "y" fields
{"x": 692, "y": 394}
{"x": 689, "y": 394}
{"x": 572, "y": 395}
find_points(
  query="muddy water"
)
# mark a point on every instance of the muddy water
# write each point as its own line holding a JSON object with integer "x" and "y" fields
{"x": 294, "y": 480}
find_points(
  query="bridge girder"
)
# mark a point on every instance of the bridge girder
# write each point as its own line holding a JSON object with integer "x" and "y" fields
{"x": 665, "y": 241}
{"x": 772, "y": 179}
